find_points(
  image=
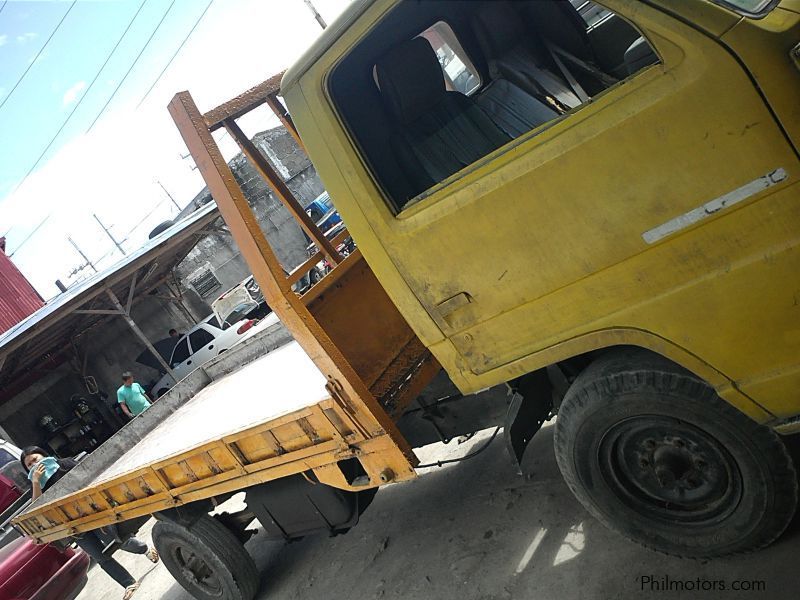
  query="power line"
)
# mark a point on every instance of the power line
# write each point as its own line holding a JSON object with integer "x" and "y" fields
{"x": 80, "y": 100}
{"x": 169, "y": 62}
{"x": 144, "y": 218}
{"x": 133, "y": 64}
{"x": 38, "y": 54}
{"x": 22, "y": 243}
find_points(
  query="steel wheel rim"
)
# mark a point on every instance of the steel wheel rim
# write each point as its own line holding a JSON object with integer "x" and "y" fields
{"x": 196, "y": 571}
{"x": 669, "y": 470}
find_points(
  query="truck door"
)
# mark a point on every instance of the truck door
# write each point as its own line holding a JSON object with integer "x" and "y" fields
{"x": 611, "y": 213}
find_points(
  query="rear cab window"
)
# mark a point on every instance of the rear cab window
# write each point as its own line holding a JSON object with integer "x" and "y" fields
{"x": 749, "y": 8}
{"x": 459, "y": 73}
{"x": 448, "y": 85}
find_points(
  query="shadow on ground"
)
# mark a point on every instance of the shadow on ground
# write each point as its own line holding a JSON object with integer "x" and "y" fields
{"x": 477, "y": 530}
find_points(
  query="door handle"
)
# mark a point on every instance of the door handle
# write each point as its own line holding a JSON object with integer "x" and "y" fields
{"x": 188, "y": 362}
{"x": 453, "y": 303}
{"x": 211, "y": 347}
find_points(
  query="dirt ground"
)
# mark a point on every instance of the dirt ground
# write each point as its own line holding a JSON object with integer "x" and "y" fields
{"x": 476, "y": 531}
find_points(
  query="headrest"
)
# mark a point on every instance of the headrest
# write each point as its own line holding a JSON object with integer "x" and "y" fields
{"x": 498, "y": 28}
{"x": 410, "y": 79}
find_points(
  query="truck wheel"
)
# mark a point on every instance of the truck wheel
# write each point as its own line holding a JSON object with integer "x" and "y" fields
{"x": 652, "y": 452}
{"x": 206, "y": 559}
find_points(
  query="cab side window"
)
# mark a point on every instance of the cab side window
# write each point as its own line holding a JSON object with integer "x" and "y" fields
{"x": 437, "y": 86}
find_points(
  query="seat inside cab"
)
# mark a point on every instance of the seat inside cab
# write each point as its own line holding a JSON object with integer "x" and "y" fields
{"x": 437, "y": 86}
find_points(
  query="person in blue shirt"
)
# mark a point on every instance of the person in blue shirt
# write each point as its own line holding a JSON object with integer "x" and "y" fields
{"x": 131, "y": 396}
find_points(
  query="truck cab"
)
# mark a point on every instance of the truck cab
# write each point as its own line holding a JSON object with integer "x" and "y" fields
{"x": 565, "y": 210}
{"x": 608, "y": 195}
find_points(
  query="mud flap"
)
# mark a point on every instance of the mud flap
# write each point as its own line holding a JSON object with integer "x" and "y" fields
{"x": 529, "y": 409}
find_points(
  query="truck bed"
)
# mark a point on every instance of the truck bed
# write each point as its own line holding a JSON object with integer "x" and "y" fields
{"x": 222, "y": 428}
{"x": 283, "y": 381}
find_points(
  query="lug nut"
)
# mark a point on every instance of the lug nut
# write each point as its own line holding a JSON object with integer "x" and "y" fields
{"x": 678, "y": 443}
{"x": 692, "y": 481}
{"x": 644, "y": 463}
{"x": 650, "y": 444}
{"x": 665, "y": 477}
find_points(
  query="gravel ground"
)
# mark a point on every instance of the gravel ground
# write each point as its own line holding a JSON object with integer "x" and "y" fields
{"x": 477, "y": 530}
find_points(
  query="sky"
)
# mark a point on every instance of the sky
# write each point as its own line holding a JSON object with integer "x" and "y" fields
{"x": 114, "y": 166}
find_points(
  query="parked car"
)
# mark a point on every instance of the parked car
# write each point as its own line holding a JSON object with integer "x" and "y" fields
{"x": 208, "y": 339}
{"x": 45, "y": 572}
{"x": 243, "y": 301}
{"x": 13, "y": 479}
{"x": 322, "y": 212}
{"x": 28, "y": 571}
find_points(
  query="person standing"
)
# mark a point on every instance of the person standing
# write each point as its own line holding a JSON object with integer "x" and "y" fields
{"x": 131, "y": 396}
{"x": 43, "y": 472}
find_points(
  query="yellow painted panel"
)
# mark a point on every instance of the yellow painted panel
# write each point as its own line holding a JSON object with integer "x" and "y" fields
{"x": 556, "y": 236}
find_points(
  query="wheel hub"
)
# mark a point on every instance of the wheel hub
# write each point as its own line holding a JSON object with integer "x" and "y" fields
{"x": 666, "y": 468}
{"x": 196, "y": 572}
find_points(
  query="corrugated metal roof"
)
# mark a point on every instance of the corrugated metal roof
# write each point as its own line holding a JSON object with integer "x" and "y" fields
{"x": 18, "y": 298}
{"x": 49, "y": 329}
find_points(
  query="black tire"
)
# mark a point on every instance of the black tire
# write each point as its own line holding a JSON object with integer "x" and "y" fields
{"x": 655, "y": 454}
{"x": 162, "y": 391}
{"x": 206, "y": 559}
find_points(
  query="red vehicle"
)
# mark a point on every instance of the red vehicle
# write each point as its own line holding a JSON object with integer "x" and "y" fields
{"x": 31, "y": 572}
{"x": 28, "y": 571}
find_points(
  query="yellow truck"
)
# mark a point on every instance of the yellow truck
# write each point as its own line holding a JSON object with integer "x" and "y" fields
{"x": 568, "y": 209}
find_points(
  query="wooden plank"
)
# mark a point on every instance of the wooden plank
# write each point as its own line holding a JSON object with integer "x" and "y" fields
{"x": 273, "y": 424}
{"x": 102, "y": 521}
{"x": 264, "y": 476}
{"x": 273, "y": 443}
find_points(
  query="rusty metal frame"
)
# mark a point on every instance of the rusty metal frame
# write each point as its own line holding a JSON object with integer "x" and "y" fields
{"x": 344, "y": 384}
{"x": 353, "y": 421}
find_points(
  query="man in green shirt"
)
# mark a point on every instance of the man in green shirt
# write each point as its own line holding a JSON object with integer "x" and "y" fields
{"x": 131, "y": 396}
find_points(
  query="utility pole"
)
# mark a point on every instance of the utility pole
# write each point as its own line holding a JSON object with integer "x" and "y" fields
{"x": 317, "y": 16}
{"x": 108, "y": 233}
{"x": 86, "y": 258}
{"x": 168, "y": 194}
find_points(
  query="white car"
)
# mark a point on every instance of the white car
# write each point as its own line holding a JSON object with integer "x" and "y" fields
{"x": 206, "y": 340}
